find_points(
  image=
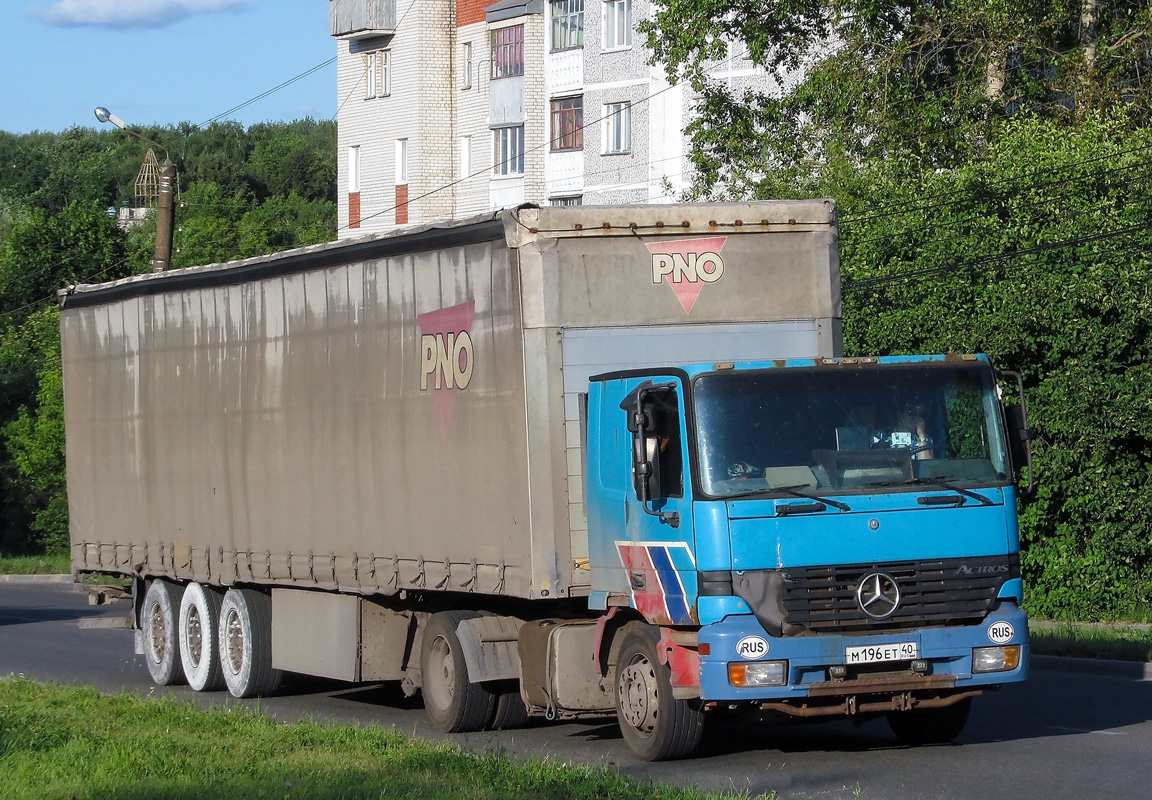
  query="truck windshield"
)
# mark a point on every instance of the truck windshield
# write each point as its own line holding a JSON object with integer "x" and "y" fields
{"x": 864, "y": 428}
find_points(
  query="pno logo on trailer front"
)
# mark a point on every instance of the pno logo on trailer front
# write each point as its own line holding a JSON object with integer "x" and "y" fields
{"x": 686, "y": 265}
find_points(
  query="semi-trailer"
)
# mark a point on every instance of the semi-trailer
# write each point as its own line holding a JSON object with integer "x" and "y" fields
{"x": 550, "y": 461}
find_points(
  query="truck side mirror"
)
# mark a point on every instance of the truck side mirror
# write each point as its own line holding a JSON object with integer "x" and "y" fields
{"x": 641, "y": 408}
{"x": 645, "y": 457}
{"x": 1019, "y": 436}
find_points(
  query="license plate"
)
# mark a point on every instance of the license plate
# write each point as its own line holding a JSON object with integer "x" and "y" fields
{"x": 871, "y": 653}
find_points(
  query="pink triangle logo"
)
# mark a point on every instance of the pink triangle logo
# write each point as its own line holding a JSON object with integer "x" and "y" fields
{"x": 686, "y": 265}
{"x": 446, "y": 356}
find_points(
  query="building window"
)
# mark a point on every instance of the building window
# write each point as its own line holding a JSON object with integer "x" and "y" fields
{"x": 617, "y": 24}
{"x": 508, "y": 52}
{"x": 508, "y": 150}
{"x": 567, "y": 24}
{"x": 466, "y": 65}
{"x": 574, "y": 200}
{"x": 354, "y": 168}
{"x": 568, "y": 123}
{"x": 377, "y": 74}
{"x": 617, "y": 127}
{"x": 465, "y": 156}
{"x": 401, "y": 162}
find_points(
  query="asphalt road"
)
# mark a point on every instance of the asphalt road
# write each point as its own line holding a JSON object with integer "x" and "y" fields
{"x": 1060, "y": 735}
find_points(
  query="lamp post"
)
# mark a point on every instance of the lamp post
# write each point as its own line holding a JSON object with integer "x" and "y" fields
{"x": 165, "y": 205}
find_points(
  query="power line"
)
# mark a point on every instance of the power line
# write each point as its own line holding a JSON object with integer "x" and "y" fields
{"x": 273, "y": 90}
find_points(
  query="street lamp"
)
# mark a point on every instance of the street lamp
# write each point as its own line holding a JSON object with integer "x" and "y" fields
{"x": 165, "y": 206}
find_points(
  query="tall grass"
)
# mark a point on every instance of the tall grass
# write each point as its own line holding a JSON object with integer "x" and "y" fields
{"x": 1081, "y": 640}
{"x": 75, "y": 744}
{"x": 35, "y": 565}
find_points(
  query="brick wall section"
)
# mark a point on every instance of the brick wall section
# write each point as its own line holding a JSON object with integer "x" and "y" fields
{"x": 536, "y": 120}
{"x": 354, "y": 210}
{"x": 469, "y": 12}
{"x": 402, "y": 204}
{"x": 471, "y": 119}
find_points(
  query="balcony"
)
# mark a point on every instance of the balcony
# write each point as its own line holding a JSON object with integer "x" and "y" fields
{"x": 362, "y": 19}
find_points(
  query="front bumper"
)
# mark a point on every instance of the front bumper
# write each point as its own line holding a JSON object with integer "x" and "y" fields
{"x": 945, "y": 675}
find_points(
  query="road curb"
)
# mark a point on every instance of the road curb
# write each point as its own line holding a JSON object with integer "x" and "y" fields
{"x": 1133, "y": 670}
{"x": 36, "y": 579}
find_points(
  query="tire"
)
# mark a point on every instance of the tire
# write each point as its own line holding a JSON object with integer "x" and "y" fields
{"x": 510, "y": 711}
{"x": 245, "y": 640}
{"x": 930, "y": 725}
{"x": 158, "y": 621}
{"x": 199, "y": 626}
{"x": 655, "y": 725}
{"x": 453, "y": 704}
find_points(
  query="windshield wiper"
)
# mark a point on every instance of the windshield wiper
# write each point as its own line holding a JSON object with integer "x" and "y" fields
{"x": 951, "y": 488}
{"x": 935, "y": 482}
{"x": 793, "y": 491}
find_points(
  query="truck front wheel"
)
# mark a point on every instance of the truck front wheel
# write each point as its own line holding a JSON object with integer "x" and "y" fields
{"x": 245, "y": 640}
{"x": 453, "y": 703}
{"x": 158, "y": 624}
{"x": 930, "y": 725}
{"x": 656, "y": 726}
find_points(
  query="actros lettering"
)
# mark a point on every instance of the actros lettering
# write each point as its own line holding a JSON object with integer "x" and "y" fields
{"x": 687, "y": 267}
{"x": 445, "y": 360}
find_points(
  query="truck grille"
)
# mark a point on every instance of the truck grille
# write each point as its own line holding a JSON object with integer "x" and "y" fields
{"x": 956, "y": 591}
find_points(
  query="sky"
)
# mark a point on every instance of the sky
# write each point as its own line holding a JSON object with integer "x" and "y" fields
{"x": 163, "y": 62}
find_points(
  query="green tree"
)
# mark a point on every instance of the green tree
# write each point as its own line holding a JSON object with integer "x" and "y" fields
{"x": 913, "y": 80}
{"x": 1038, "y": 253}
{"x": 35, "y": 443}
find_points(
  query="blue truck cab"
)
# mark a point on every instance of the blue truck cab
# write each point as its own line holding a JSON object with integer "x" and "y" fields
{"x": 811, "y": 537}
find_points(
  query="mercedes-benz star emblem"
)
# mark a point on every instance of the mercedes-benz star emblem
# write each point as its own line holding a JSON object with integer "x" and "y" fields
{"x": 878, "y": 595}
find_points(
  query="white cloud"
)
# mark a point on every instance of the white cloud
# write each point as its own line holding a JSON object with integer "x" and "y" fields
{"x": 131, "y": 13}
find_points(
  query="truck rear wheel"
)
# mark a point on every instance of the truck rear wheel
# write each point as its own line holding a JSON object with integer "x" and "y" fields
{"x": 198, "y": 629}
{"x": 656, "y": 726}
{"x": 453, "y": 703}
{"x": 246, "y": 643}
{"x": 159, "y": 624}
{"x": 930, "y": 725}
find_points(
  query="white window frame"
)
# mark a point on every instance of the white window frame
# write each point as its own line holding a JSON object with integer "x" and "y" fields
{"x": 377, "y": 74}
{"x": 401, "y": 162}
{"x": 465, "y": 157}
{"x": 466, "y": 65}
{"x": 617, "y": 24}
{"x": 567, "y": 24}
{"x": 508, "y": 151}
{"x": 617, "y": 129}
{"x": 354, "y": 169}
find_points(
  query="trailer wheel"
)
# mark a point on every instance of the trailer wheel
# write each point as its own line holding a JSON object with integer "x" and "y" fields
{"x": 453, "y": 703}
{"x": 159, "y": 625}
{"x": 246, "y": 643}
{"x": 199, "y": 627}
{"x": 656, "y": 726}
{"x": 930, "y": 725}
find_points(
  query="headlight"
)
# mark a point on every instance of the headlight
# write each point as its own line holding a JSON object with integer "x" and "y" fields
{"x": 995, "y": 659}
{"x": 758, "y": 673}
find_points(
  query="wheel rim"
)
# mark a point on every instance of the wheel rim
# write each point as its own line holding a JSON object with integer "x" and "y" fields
{"x": 157, "y": 633}
{"x": 235, "y": 631}
{"x": 195, "y": 636}
{"x": 440, "y": 683}
{"x": 639, "y": 695}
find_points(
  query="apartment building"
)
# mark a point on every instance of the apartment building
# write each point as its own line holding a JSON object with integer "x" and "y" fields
{"x": 452, "y": 107}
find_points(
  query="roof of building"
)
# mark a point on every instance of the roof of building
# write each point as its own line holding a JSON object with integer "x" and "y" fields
{"x": 508, "y": 9}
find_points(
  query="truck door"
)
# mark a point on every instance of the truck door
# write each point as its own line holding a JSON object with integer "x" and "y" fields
{"x": 657, "y": 553}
